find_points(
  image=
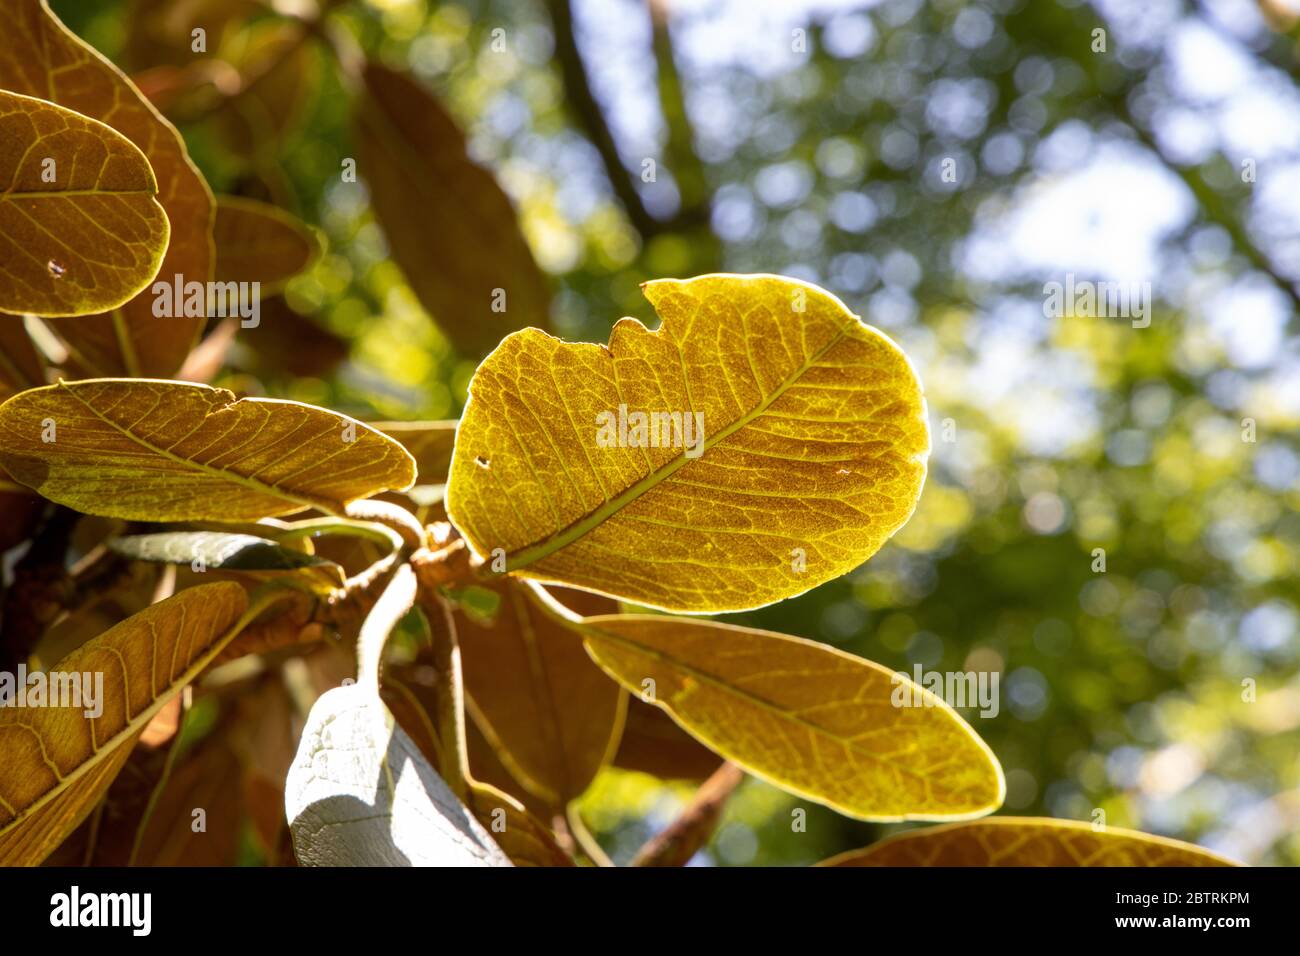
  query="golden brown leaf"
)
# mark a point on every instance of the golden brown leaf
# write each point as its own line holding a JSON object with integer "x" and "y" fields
{"x": 430, "y": 444}
{"x": 1027, "y": 841}
{"x": 21, "y": 366}
{"x": 809, "y": 718}
{"x": 258, "y": 242}
{"x": 174, "y": 451}
{"x": 41, "y": 57}
{"x": 653, "y": 744}
{"x": 80, "y": 228}
{"x": 554, "y": 718}
{"x": 58, "y": 761}
{"x": 523, "y": 838}
{"x": 450, "y": 226}
{"x": 811, "y": 450}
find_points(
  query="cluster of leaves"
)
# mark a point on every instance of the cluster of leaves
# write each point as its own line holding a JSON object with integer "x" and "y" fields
{"x": 442, "y": 600}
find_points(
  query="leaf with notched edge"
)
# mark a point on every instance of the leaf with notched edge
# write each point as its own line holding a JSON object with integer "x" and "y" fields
{"x": 451, "y": 228}
{"x": 87, "y": 239}
{"x": 57, "y": 761}
{"x": 552, "y": 715}
{"x": 809, "y": 718}
{"x": 40, "y": 57}
{"x": 148, "y": 450}
{"x": 258, "y": 242}
{"x": 1027, "y": 841}
{"x": 811, "y": 454}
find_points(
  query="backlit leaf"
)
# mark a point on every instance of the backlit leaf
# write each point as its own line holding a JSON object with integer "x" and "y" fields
{"x": 80, "y": 228}
{"x": 258, "y": 242}
{"x": 58, "y": 761}
{"x": 552, "y": 715}
{"x": 450, "y": 226}
{"x": 173, "y": 451}
{"x": 805, "y": 451}
{"x": 41, "y": 57}
{"x": 809, "y": 718}
{"x": 1027, "y": 841}
{"x": 360, "y": 793}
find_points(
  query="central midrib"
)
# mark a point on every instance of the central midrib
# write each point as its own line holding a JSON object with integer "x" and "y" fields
{"x": 567, "y": 535}
{"x": 233, "y": 477}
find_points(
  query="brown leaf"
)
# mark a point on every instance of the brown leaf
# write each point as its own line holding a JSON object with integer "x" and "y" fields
{"x": 21, "y": 366}
{"x": 41, "y": 57}
{"x": 450, "y": 226}
{"x": 57, "y": 760}
{"x": 553, "y": 717}
{"x": 653, "y": 744}
{"x": 258, "y": 242}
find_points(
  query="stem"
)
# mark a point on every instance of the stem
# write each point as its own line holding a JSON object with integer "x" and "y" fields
{"x": 449, "y": 721}
{"x": 683, "y": 838}
{"x": 591, "y": 118}
{"x": 397, "y": 599}
{"x": 582, "y": 836}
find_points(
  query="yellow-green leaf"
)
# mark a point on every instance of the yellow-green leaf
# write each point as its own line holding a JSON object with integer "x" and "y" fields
{"x": 799, "y": 447}
{"x": 1028, "y": 841}
{"x": 80, "y": 228}
{"x": 451, "y": 227}
{"x": 40, "y": 57}
{"x": 148, "y": 450}
{"x": 258, "y": 242}
{"x": 57, "y": 760}
{"x": 552, "y": 716}
{"x": 809, "y": 718}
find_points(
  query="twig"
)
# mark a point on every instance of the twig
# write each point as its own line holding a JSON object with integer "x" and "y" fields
{"x": 683, "y": 162}
{"x": 450, "y": 719}
{"x": 587, "y": 111}
{"x": 587, "y": 843}
{"x": 691, "y": 830}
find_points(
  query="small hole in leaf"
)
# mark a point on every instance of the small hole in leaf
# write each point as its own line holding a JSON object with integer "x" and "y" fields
{"x": 56, "y": 269}
{"x": 482, "y": 462}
